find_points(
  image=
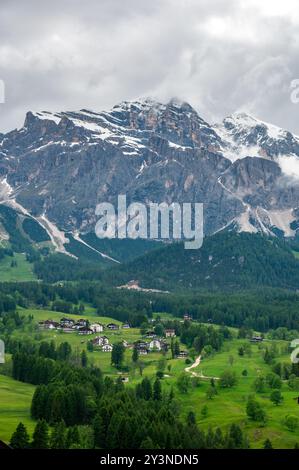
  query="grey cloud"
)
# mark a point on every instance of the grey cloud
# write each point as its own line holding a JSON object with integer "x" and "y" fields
{"x": 220, "y": 56}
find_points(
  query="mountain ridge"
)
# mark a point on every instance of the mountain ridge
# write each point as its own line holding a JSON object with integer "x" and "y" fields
{"x": 58, "y": 166}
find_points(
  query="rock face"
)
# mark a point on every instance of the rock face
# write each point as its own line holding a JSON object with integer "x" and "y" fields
{"x": 60, "y": 165}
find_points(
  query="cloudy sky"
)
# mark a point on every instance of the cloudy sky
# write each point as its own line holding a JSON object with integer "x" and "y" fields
{"x": 219, "y": 55}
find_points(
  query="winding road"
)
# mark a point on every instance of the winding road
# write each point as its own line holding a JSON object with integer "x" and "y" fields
{"x": 196, "y": 374}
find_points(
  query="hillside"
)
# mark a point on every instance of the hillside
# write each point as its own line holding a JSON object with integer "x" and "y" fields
{"x": 226, "y": 260}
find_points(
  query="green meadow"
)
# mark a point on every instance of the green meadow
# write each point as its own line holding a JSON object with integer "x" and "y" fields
{"x": 23, "y": 271}
{"x": 15, "y": 401}
{"x": 227, "y": 407}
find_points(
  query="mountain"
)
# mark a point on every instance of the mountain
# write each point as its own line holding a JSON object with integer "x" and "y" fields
{"x": 58, "y": 166}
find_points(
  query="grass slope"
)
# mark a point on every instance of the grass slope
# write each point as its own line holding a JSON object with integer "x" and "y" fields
{"x": 15, "y": 401}
{"x": 22, "y": 272}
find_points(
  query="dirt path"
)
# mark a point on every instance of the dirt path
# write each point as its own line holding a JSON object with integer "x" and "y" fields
{"x": 198, "y": 374}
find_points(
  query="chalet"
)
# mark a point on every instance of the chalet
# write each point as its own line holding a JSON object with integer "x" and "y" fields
{"x": 81, "y": 323}
{"x": 126, "y": 326}
{"x": 100, "y": 341}
{"x": 66, "y": 322}
{"x": 48, "y": 324}
{"x": 182, "y": 354}
{"x": 155, "y": 344}
{"x": 125, "y": 343}
{"x": 107, "y": 348}
{"x": 112, "y": 326}
{"x": 96, "y": 327}
{"x": 85, "y": 331}
{"x": 170, "y": 333}
{"x": 187, "y": 317}
{"x": 141, "y": 345}
{"x": 256, "y": 339}
{"x": 143, "y": 351}
{"x": 150, "y": 334}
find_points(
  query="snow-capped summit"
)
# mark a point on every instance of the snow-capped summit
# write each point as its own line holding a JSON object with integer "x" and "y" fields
{"x": 244, "y": 135}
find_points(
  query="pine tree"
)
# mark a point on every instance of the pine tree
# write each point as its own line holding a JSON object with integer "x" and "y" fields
{"x": 20, "y": 438}
{"x": 268, "y": 444}
{"x": 84, "y": 359}
{"x": 73, "y": 438}
{"x": 157, "y": 391}
{"x": 41, "y": 435}
{"x": 135, "y": 354}
{"x": 99, "y": 432}
{"x": 58, "y": 437}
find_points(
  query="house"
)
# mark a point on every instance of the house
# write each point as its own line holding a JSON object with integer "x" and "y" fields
{"x": 100, "y": 341}
{"x": 96, "y": 327}
{"x": 170, "y": 333}
{"x": 66, "y": 322}
{"x": 107, "y": 348}
{"x": 112, "y": 326}
{"x": 182, "y": 354}
{"x": 125, "y": 343}
{"x": 48, "y": 324}
{"x": 84, "y": 331}
{"x": 150, "y": 334}
{"x": 143, "y": 352}
{"x": 155, "y": 344}
{"x": 126, "y": 326}
{"x": 187, "y": 317}
{"x": 141, "y": 345}
{"x": 256, "y": 339}
{"x": 125, "y": 379}
{"x": 81, "y": 323}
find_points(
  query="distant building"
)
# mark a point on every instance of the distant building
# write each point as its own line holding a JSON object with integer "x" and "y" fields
{"x": 85, "y": 331}
{"x": 143, "y": 352}
{"x": 141, "y": 345}
{"x": 66, "y": 322}
{"x": 256, "y": 339}
{"x": 81, "y": 323}
{"x": 96, "y": 327}
{"x": 100, "y": 341}
{"x": 49, "y": 324}
{"x": 170, "y": 333}
{"x": 126, "y": 326}
{"x": 150, "y": 334}
{"x": 112, "y": 326}
{"x": 182, "y": 354}
{"x": 188, "y": 317}
{"x": 155, "y": 344}
{"x": 107, "y": 348}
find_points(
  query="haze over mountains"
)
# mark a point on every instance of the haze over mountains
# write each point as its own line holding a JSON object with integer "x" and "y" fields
{"x": 58, "y": 166}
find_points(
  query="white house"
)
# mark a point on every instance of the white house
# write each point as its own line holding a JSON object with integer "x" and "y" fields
{"x": 107, "y": 348}
{"x": 155, "y": 344}
{"x": 100, "y": 340}
{"x": 170, "y": 333}
{"x": 96, "y": 327}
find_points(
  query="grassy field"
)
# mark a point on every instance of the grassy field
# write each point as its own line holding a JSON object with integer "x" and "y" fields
{"x": 229, "y": 405}
{"x": 15, "y": 401}
{"x": 22, "y": 272}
